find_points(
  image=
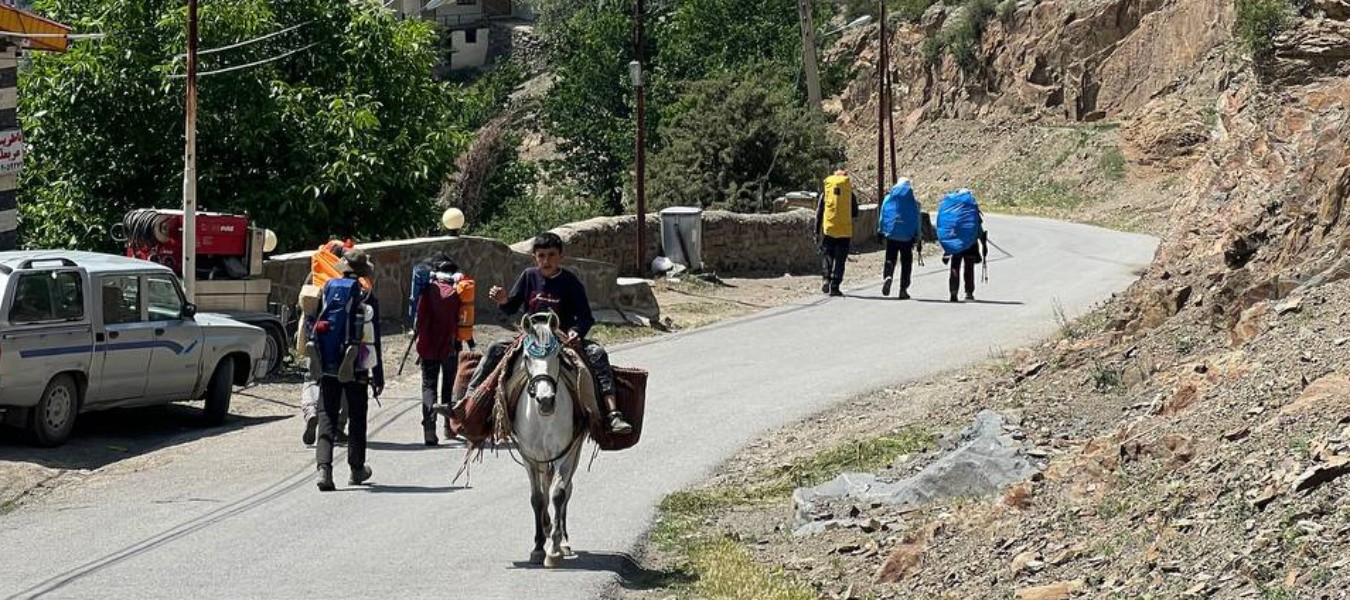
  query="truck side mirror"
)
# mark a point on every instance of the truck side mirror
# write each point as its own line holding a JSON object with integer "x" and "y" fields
{"x": 189, "y": 310}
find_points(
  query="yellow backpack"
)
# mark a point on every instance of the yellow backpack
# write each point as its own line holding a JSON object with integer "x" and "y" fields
{"x": 838, "y": 217}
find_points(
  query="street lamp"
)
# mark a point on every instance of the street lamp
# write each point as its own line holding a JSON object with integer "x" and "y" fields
{"x": 858, "y": 22}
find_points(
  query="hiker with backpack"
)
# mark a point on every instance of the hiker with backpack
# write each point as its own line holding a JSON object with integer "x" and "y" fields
{"x": 549, "y": 287}
{"x": 960, "y": 230}
{"x": 435, "y": 310}
{"x": 344, "y": 357}
{"x": 835, "y": 211}
{"x": 324, "y": 265}
{"x": 898, "y": 227}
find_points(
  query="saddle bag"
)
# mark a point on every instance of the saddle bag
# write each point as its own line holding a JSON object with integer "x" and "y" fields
{"x": 471, "y": 414}
{"x": 630, "y": 385}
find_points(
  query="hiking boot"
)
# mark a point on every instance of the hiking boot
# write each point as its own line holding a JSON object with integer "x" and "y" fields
{"x": 904, "y": 295}
{"x": 315, "y": 364}
{"x": 886, "y": 288}
{"x": 339, "y": 438}
{"x": 618, "y": 425}
{"x": 954, "y": 298}
{"x": 311, "y": 426}
{"x": 825, "y": 287}
{"x": 360, "y": 476}
{"x": 834, "y": 291}
{"x": 325, "y": 482}
{"x": 970, "y": 296}
{"x": 429, "y": 436}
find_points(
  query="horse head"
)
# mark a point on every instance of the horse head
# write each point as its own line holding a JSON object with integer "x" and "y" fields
{"x": 542, "y": 357}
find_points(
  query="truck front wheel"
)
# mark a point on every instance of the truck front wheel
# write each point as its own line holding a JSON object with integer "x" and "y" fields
{"x": 218, "y": 392}
{"x": 275, "y": 351}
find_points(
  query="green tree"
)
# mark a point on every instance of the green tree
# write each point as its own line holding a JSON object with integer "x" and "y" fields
{"x": 325, "y": 141}
{"x": 742, "y": 140}
{"x": 591, "y": 106}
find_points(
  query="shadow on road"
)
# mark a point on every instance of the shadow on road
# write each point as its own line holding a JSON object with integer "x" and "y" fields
{"x": 376, "y": 488}
{"x": 934, "y": 300}
{"x": 105, "y": 437}
{"x": 632, "y": 575}
{"x": 990, "y": 302}
{"x": 411, "y": 446}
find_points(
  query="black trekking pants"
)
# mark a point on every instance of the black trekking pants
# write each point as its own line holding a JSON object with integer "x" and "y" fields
{"x": 963, "y": 264}
{"x": 437, "y": 373}
{"x": 834, "y": 257}
{"x": 358, "y": 405}
{"x": 906, "y": 252}
{"x": 595, "y": 355}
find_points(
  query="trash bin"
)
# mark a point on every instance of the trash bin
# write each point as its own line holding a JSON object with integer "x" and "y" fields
{"x": 682, "y": 235}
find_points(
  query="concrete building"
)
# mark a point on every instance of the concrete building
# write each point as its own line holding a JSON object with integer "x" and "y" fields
{"x": 465, "y": 22}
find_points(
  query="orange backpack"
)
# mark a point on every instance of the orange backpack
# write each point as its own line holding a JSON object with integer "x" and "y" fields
{"x": 465, "y": 290}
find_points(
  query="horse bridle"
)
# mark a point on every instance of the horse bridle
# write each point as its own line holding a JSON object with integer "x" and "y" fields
{"x": 538, "y": 379}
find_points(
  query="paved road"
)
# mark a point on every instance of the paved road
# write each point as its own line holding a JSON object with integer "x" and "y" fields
{"x": 237, "y": 515}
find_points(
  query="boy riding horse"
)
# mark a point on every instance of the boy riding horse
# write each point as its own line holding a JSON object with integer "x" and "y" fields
{"x": 549, "y": 287}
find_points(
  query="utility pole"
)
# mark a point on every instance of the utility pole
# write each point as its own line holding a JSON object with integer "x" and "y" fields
{"x": 890, "y": 101}
{"x": 640, "y": 84}
{"x": 190, "y": 162}
{"x": 881, "y": 103}
{"x": 809, "y": 64}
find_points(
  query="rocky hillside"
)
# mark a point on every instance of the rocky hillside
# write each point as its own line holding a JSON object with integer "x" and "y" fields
{"x": 1197, "y": 428}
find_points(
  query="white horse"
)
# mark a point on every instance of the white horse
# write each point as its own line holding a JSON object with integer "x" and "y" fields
{"x": 549, "y": 432}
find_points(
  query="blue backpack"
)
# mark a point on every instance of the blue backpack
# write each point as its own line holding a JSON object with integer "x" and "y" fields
{"x": 339, "y": 304}
{"x": 421, "y": 278}
{"x": 900, "y": 214}
{"x": 958, "y": 222}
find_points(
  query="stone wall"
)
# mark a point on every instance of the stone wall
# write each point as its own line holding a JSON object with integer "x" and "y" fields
{"x": 489, "y": 261}
{"x": 733, "y": 243}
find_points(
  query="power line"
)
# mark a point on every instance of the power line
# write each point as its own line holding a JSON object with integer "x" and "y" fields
{"x": 252, "y": 64}
{"x": 249, "y": 41}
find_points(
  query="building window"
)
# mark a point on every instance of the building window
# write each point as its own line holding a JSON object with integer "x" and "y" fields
{"x": 471, "y": 36}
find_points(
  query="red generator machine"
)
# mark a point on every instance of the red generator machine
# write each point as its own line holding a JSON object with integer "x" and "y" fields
{"x": 227, "y": 247}
{"x": 229, "y": 267}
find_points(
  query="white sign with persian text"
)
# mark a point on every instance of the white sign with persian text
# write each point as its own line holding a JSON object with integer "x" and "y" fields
{"x": 11, "y": 151}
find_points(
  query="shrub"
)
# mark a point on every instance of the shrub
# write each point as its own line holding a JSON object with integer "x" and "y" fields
{"x": 1259, "y": 21}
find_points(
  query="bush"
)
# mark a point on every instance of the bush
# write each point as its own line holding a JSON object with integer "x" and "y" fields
{"x": 909, "y": 10}
{"x": 742, "y": 140}
{"x": 961, "y": 35}
{"x": 1259, "y": 21}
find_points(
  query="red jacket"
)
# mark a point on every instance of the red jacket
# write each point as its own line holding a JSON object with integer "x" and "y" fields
{"x": 437, "y": 321}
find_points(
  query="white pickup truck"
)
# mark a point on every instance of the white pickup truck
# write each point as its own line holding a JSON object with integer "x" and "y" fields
{"x": 81, "y": 332}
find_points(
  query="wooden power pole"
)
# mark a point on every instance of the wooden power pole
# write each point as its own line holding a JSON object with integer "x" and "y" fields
{"x": 190, "y": 162}
{"x": 809, "y": 63}
{"x": 881, "y": 102}
{"x": 641, "y": 141}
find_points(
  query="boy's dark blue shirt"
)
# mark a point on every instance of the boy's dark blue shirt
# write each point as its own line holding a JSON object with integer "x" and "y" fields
{"x": 563, "y": 294}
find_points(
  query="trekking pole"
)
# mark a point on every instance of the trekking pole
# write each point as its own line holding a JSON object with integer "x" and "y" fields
{"x": 406, "y": 351}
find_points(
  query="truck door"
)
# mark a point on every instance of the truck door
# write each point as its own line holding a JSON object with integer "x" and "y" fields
{"x": 175, "y": 362}
{"x": 125, "y": 339}
{"x": 46, "y": 332}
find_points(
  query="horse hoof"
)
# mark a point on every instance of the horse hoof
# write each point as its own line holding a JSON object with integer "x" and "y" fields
{"x": 567, "y": 551}
{"x": 537, "y": 557}
{"x": 553, "y": 562}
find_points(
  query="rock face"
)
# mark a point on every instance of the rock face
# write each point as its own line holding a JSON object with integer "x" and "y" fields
{"x": 983, "y": 460}
{"x": 1053, "y": 59}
